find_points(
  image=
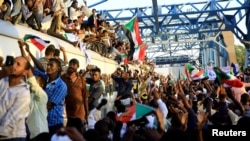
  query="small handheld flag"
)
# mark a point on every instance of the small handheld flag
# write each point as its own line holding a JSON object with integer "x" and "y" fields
{"x": 36, "y": 41}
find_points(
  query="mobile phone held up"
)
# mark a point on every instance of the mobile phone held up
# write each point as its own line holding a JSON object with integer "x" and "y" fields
{"x": 9, "y": 61}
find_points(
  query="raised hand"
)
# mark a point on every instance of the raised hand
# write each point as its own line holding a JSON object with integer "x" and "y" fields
{"x": 182, "y": 117}
{"x": 156, "y": 93}
{"x": 62, "y": 49}
{"x": 20, "y": 43}
{"x": 27, "y": 48}
{"x": 201, "y": 120}
{"x": 159, "y": 116}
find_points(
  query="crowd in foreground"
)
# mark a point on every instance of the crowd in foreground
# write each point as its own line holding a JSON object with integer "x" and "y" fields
{"x": 41, "y": 102}
{"x": 69, "y": 22}
{"x": 53, "y": 100}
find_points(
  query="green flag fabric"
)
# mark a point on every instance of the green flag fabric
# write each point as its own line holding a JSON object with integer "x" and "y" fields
{"x": 142, "y": 110}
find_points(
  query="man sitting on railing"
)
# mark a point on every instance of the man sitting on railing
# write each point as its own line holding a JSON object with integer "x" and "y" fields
{"x": 31, "y": 15}
{"x": 11, "y": 14}
{"x": 105, "y": 39}
{"x": 58, "y": 32}
{"x": 74, "y": 11}
{"x": 100, "y": 38}
{"x": 3, "y": 8}
{"x": 91, "y": 39}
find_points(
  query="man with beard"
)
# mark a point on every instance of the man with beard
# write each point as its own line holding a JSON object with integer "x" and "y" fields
{"x": 14, "y": 101}
{"x": 77, "y": 98}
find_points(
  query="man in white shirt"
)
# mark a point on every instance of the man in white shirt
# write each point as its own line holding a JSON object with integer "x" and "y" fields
{"x": 14, "y": 102}
{"x": 37, "y": 119}
{"x": 96, "y": 114}
{"x": 74, "y": 11}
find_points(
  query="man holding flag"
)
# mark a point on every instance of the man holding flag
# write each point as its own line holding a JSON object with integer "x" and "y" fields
{"x": 237, "y": 86}
{"x": 137, "y": 49}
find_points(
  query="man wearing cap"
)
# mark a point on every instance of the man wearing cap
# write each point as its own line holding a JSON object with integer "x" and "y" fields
{"x": 77, "y": 97}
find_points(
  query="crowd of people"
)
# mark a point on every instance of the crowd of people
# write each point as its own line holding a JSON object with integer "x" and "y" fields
{"x": 53, "y": 100}
{"x": 39, "y": 103}
{"x": 68, "y": 22}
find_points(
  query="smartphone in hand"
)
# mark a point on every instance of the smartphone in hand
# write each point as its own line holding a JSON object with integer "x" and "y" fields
{"x": 9, "y": 61}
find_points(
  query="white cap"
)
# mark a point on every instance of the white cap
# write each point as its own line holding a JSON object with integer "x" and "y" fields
{"x": 126, "y": 101}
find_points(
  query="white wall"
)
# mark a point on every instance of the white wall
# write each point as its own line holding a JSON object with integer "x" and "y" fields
{"x": 9, "y": 35}
{"x": 167, "y": 70}
{"x": 162, "y": 71}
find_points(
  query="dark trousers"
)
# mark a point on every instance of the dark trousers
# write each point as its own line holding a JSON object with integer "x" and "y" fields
{"x": 55, "y": 24}
{"x": 41, "y": 137}
{"x": 53, "y": 129}
{"x": 118, "y": 58}
{"x": 75, "y": 122}
{"x": 30, "y": 21}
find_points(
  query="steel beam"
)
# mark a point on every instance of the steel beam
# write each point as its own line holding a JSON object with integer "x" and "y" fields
{"x": 97, "y": 3}
{"x": 155, "y": 9}
{"x": 199, "y": 22}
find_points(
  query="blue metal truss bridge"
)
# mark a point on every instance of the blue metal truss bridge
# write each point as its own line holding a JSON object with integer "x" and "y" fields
{"x": 189, "y": 29}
